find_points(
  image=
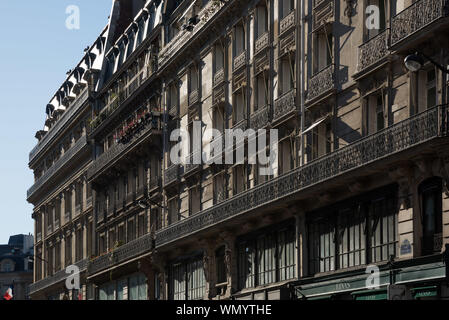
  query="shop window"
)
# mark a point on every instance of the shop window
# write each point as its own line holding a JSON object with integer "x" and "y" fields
{"x": 187, "y": 280}
{"x": 266, "y": 258}
{"x": 221, "y": 265}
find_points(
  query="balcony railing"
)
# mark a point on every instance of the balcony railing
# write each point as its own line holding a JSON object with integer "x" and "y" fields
{"x": 432, "y": 244}
{"x": 193, "y": 97}
{"x": 417, "y": 16}
{"x": 184, "y": 36}
{"x": 123, "y": 253}
{"x": 260, "y": 118}
{"x": 287, "y": 22}
{"x": 118, "y": 150}
{"x": 404, "y": 135}
{"x": 262, "y": 42}
{"x": 155, "y": 182}
{"x": 219, "y": 77}
{"x": 321, "y": 83}
{"x": 171, "y": 174}
{"x": 192, "y": 163}
{"x": 118, "y": 100}
{"x": 60, "y": 124}
{"x": 373, "y": 51}
{"x": 285, "y": 105}
{"x": 239, "y": 61}
{"x": 58, "y": 277}
{"x": 66, "y": 157}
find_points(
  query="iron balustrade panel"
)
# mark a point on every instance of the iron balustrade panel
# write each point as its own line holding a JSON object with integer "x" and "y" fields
{"x": 260, "y": 118}
{"x": 287, "y": 22}
{"x": 219, "y": 77}
{"x": 61, "y": 123}
{"x": 321, "y": 82}
{"x": 285, "y": 104}
{"x": 121, "y": 254}
{"x": 262, "y": 42}
{"x": 171, "y": 174}
{"x": 415, "y": 17}
{"x": 183, "y": 37}
{"x": 118, "y": 149}
{"x": 65, "y": 158}
{"x": 399, "y": 137}
{"x": 239, "y": 61}
{"x": 56, "y": 278}
{"x": 373, "y": 50}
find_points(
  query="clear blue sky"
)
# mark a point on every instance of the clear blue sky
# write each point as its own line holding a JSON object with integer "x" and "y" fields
{"x": 36, "y": 50}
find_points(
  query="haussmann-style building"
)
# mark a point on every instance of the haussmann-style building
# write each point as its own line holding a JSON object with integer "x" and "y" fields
{"x": 361, "y": 178}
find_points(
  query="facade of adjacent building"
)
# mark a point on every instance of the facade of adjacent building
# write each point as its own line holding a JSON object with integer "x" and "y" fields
{"x": 16, "y": 266}
{"x": 362, "y": 171}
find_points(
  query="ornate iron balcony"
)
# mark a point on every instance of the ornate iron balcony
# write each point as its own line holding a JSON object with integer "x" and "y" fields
{"x": 118, "y": 150}
{"x": 285, "y": 104}
{"x": 66, "y": 157}
{"x": 404, "y": 135}
{"x": 122, "y": 254}
{"x": 260, "y": 118}
{"x": 417, "y": 16}
{"x": 219, "y": 77}
{"x": 239, "y": 61}
{"x": 373, "y": 51}
{"x": 193, "y": 97}
{"x": 287, "y": 22}
{"x": 262, "y": 42}
{"x": 190, "y": 165}
{"x": 61, "y": 123}
{"x": 321, "y": 83}
{"x": 171, "y": 174}
{"x": 184, "y": 36}
{"x": 55, "y": 278}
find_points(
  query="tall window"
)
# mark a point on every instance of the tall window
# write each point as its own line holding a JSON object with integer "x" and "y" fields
{"x": 173, "y": 210}
{"x": 262, "y": 19}
{"x": 286, "y": 6}
{"x": 239, "y": 39}
{"x": 323, "y": 50}
{"x": 375, "y": 120}
{"x": 262, "y": 89}
{"x": 239, "y": 106}
{"x": 267, "y": 258}
{"x": 219, "y": 57}
{"x": 187, "y": 280}
{"x": 431, "y": 213}
{"x": 287, "y": 75}
{"x": 427, "y": 89}
{"x": 220, "y": 264}
{"x": 353, "y": 233}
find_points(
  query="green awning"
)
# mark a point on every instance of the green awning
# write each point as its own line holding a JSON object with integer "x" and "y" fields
{"x": 380, "y": 294}
{"x": 323, "y": 297}
{"x": 421, "y": 292}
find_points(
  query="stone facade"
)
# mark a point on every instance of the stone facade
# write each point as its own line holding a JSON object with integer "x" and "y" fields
{"x": 362, "y": 171}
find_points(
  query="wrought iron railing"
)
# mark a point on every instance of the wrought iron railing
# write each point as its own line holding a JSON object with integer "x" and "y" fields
{"x": 60, "y": 124}
{"x": 432, "y": 244}
{"x": 417, "y": 16}
{"x": 285, "y": 104}
{"x": 171, "y": 174}
{"x": 406, "y": 134}
{"x": 121, "y": 254}
{"x": 56, "y": 278}
{"x": 219, "y": 77}
{"x": 262, "y": 42}
{"x": 118, "y": 150}
{"x": 66, "y": 157}
{"x": 239, "y": 61}
{"x": 321, "y": 82}
{"x": 260, "y": 118}
{"x": 191, "y": 162}
{"x": 184, "y": 36}
{"x": 373, "y": 50}
{"x": 287, "y": 22}
{"x": 193, "y": 97}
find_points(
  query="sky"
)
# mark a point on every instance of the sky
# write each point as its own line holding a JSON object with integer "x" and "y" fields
{"x": 36, "y": 51}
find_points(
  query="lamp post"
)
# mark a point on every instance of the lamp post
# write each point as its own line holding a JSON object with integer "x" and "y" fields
{"x": 414, "y": 62}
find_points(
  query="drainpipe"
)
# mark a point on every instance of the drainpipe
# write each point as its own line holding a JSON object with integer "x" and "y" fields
{"x": 302, "y": 75}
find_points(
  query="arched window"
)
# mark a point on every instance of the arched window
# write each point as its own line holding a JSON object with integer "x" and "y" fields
{"x": 431, "y": 216}
{"x": 7, "y": 266}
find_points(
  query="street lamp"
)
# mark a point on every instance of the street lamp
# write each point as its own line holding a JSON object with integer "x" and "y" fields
{"x": 415, "y": 61}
